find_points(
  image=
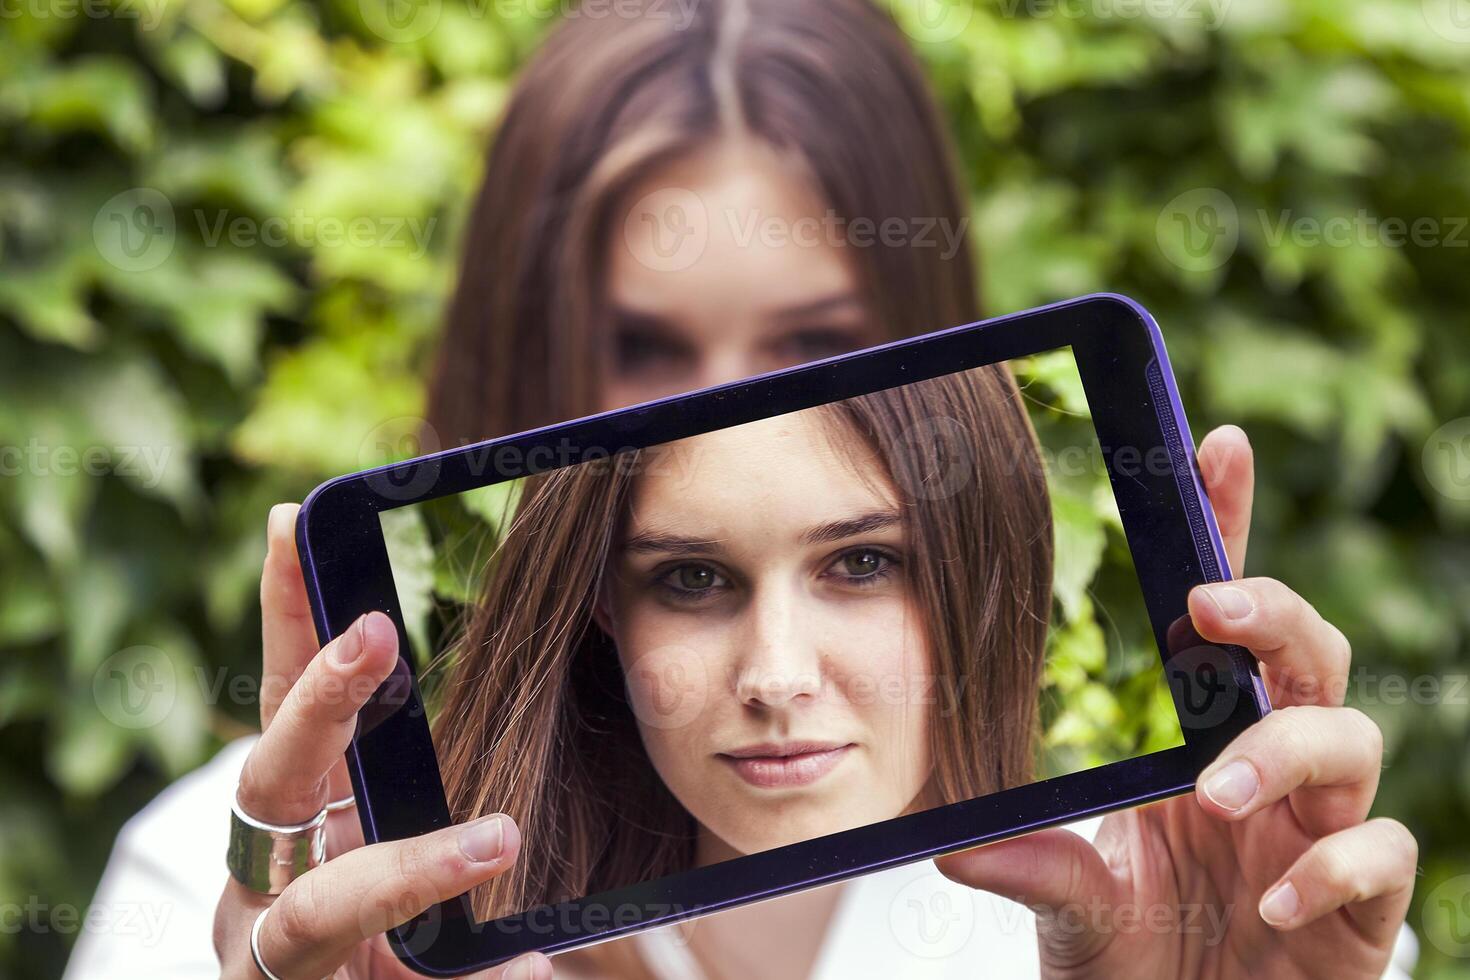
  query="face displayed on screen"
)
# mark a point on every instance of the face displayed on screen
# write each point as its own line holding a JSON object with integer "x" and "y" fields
{"x": 674, "y": 656}
{"x": 762, "y": 572}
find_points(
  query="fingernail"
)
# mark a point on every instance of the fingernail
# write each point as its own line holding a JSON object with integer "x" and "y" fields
{"x": 278, "y": 524}
{"x": 1281, "y": 904}
{"x": 1233, "y": 602}
{"x": 349, "y": 645}
{"x": 1233, "y": 786}
{"x": 378, "y": 628}
{"x": 483, "y": 840}
{"x": 522, "y": 969}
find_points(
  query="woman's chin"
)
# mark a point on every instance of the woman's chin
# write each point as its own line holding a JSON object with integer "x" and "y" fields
{"x": 771, "y": 831}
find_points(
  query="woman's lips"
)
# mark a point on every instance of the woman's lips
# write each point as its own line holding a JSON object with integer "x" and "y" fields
{"x": 773, "y": 766}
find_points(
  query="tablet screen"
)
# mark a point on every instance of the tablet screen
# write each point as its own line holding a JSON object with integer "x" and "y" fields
{"x": 664, "y": 658}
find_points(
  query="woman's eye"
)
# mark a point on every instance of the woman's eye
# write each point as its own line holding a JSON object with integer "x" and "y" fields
{"x": 692, "y": 580}
{"x": 816, "y": 343}
{"x": 696, "y": 577}
{"x": 640, "y": 350}
{"x": 864, "y": 565}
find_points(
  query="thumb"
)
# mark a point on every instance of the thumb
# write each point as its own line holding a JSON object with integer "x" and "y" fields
{"x": 1057, "y": 874}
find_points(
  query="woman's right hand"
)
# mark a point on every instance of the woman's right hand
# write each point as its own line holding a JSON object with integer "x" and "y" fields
{"x": 333, "y": 917}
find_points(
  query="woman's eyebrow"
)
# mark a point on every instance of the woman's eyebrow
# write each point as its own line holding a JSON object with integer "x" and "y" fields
{"x": 656, "y": 542}
{"x": 660, "y": 542}
{"x": 820, "y": 307}
{"x": 863, "y": 524}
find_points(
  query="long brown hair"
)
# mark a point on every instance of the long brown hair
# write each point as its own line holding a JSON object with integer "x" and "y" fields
{"x": 833, "y": 85}
{"x": 606, "y": 101}
{"x": 536, "y": 722}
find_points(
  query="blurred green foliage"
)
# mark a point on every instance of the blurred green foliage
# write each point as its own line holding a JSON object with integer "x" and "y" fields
{"x": 191, "y": 329}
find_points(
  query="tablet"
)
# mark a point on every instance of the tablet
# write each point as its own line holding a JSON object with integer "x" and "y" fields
{"x": 778, "y": 633}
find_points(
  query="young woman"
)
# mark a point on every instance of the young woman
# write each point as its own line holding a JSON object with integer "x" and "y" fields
{"x": 780, "y": 601}
{"x": 628, "y": 243}
{"x": 672, "y": 204}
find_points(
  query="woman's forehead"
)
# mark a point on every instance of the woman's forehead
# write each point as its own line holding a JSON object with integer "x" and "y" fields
{"x": 793, "y": 472}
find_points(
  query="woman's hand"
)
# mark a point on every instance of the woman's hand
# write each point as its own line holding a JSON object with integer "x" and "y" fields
{"x": 1271, "y": 868}
{"x": 333, "y": 917}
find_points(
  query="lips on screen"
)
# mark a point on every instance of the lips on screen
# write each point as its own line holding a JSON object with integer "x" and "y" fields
{"x": 664, "y": 658}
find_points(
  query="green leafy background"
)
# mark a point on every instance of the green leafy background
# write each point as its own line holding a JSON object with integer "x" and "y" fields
{"x": 163, "y": 380}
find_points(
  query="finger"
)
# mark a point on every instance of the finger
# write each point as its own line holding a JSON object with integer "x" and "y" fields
{"x": 1367, "y": 870}
{"x": 288, "y": 634}
{"x": 1306, "y": 658}
{"x": 285, "y": 777}
{"x": 323, "y": 915}
{"x": 1227, "y": 467}
{"x": 1326, "y": 760}
{"x": 532, "y": 966}
{"x": 1050, "y": 871}
{"x": 344, "y": 826}
{"x": 288, "y": 637}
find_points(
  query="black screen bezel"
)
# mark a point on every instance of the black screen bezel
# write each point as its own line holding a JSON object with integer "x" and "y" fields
{"x": 1167, "y": 521}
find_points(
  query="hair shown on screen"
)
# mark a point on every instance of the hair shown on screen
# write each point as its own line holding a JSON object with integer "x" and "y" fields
{"x": 830, "y": 84}
{"x": 535, "y": 721}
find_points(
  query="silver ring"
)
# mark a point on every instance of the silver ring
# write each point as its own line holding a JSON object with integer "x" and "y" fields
{"x": 345, "y": 803}
{"x": 255, "y": 946}
{"x": 266, "y": 857}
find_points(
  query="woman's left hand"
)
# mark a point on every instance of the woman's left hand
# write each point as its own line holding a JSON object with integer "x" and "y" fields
{"x": 1272, "y": 867}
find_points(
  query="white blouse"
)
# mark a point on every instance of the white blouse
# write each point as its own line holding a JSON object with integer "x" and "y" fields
{"x": 153, "y": 915}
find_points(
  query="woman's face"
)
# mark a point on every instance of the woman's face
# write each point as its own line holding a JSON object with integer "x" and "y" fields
{"x": 759, "y": 597}
{"x": 726, "y": 265}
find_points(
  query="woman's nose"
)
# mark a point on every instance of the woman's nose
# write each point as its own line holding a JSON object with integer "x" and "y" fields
{"x": 780, "y": 662}
{"x": 726, "y": 365}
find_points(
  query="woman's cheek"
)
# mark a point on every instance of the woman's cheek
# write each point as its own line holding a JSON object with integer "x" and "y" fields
{"x": 878, "y": 653}
{"x": 671, "y": 683}
{"x": 887, "y": 677}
